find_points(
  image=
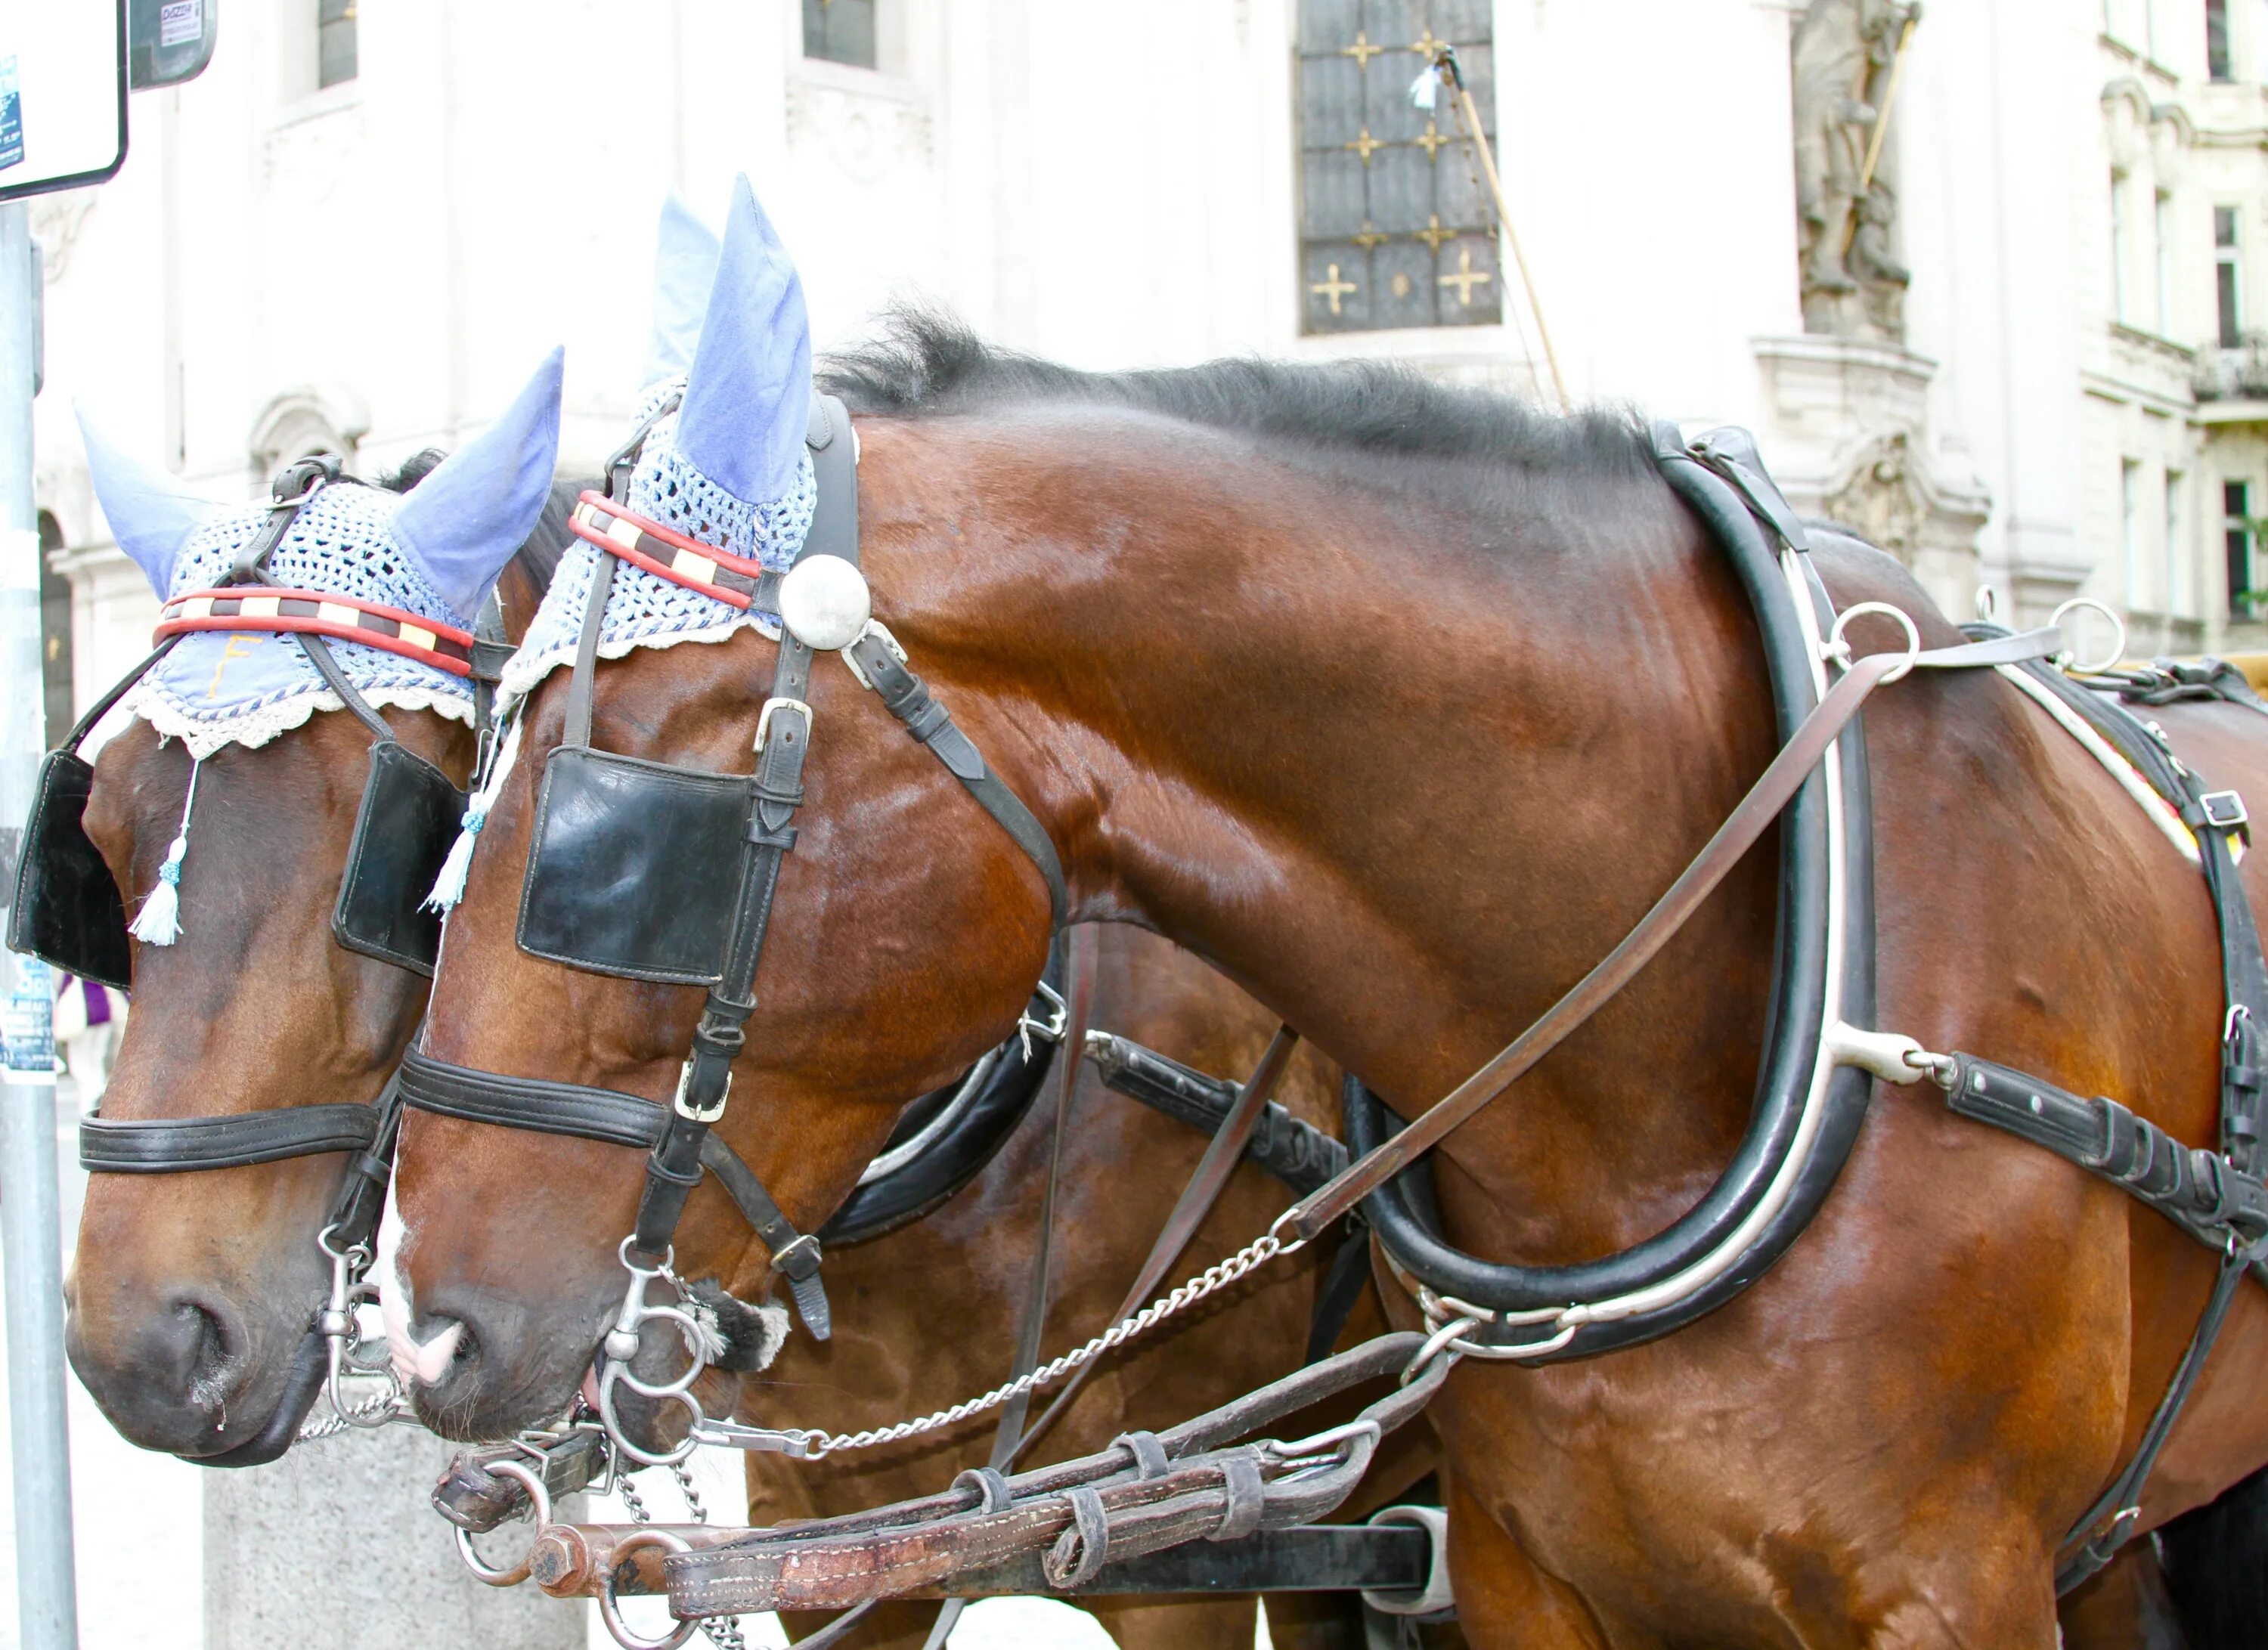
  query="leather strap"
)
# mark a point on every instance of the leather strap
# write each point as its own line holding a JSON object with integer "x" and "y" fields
{"x": 1774, "y": 787}
{"x": 525, "y": 1102}
{"x": 2122, "y": 1497}
{"x": 1010, "y": 1437}
{"x": 1292, "y": 1151}
{"x": 1750, "y": 821}
{"x": 1218, "y": 1162}
{"x": 612, "y": 1118}
{"x": 906, "y": 697}
{"x": 2200, "y": 1192}
{"x": 164, "y": 1146}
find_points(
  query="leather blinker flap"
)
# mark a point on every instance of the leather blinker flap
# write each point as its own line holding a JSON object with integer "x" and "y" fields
{"x": 68, "y": 908}
{"x": 635, "y": 866}
{"x": 408, "y": 819}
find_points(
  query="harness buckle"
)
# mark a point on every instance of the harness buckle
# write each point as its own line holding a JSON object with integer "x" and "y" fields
{"x": 798, "y": 1259}
{"x": 764, "y": 718}
{"x": 685, "y": 1082}
{"x": 2225, "y": 811}
{"x": 881, "y": 632}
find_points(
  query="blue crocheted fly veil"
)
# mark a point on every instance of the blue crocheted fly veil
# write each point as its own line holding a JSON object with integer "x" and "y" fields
{"x": 728, "y": 468}
{"x": 434, "y": 552}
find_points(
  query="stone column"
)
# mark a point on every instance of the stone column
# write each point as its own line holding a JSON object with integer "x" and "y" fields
{"x": 335, "y": 1545}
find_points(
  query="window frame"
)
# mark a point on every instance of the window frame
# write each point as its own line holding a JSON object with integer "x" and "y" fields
{"x": 2229, "y": 276}
{"x": 2237, "y": 547}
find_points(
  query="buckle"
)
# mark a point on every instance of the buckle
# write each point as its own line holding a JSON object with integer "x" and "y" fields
{"x": 764, "y": 718}
{"x": 798, "y": 1259}
{"x": 685, "y": 1082}
{"x": 881, "y": 632}
{"x": 2225, "y": 811}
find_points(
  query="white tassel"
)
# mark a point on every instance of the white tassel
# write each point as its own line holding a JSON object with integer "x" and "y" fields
{"x": 158, "y": 921}
{"x": 449, "y": 886}
{"x": 1426, "y": 89}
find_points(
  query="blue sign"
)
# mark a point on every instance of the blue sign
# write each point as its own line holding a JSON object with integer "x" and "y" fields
{"x": 27, "y": 1042}
{"x": 11, "y": 115}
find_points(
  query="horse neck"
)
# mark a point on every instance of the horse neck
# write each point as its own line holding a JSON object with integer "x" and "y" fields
{"x": 1402, "y": 767}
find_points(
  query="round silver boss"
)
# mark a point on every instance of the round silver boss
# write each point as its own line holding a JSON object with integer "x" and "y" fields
{"x": 825, "y": 603}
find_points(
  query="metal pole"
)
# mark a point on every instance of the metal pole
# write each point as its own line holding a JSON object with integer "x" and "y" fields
{"x": 31, "y": 1217}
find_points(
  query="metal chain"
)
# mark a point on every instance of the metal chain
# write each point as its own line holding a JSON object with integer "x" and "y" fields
{"x": 1218, "y": 1275}
{"x": 388, "y": 1404}
{"x": 723, "y": 1632}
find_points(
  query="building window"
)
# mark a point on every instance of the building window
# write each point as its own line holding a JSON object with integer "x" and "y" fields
{"x": 840, "y": 31}
{"x": 2130, "y": 530}
{"x": 2236, "y": 541}
{"x": 55, "y": 635}
{"x": 2228, "y": 276}
{"x": 1394, "y": 227}
{"x": 2179, "y": 597}
{"x": 2118, "y": 245}
{"x": 2161, "y": 226}
{"x": 2218, "y": 63}
{"x": 334, "y": 42}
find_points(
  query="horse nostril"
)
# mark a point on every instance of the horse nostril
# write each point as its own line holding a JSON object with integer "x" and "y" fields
{"x": 189, "y": 1351}
{"x": 428, "y": 1361}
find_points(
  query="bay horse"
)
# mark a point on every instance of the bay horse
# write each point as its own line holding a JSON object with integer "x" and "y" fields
{"x": 192, "y": 1292}
{"x": 1400, "y": 705}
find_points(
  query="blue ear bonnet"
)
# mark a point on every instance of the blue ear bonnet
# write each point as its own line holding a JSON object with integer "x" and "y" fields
{"x": 728, "y": 468}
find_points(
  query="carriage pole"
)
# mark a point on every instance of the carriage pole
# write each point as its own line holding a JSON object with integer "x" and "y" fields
{"x": 31, "y": 1216}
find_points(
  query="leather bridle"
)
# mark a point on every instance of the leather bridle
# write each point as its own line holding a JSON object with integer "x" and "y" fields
{"x": 679, "y": 1138}
{"x": 164, "y": 1146}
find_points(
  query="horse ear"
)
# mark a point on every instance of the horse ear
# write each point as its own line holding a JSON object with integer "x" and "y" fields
{"x": 463, "y": 522}
{"x": 149, "y": 511}
{"x": 684, "y": 270}
{"x": 748, "y": 400}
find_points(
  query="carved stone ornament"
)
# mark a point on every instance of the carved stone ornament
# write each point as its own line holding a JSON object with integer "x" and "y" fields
{"x": 1841, "y": 57}
{"x": 1882, "y": 501}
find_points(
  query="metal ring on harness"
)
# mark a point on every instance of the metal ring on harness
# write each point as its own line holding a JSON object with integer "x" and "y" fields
{"x": 1840, "y": 650}
{"x": 540, "y": 1501}
{"x": 2118, "y": 630}
{"x": 610, "y": 1610}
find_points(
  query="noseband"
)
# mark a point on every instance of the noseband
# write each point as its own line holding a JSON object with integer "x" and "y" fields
{"x": 596, "y": 823}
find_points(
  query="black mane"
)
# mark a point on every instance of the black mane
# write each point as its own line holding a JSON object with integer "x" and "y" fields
{"x": 924, "y": 363}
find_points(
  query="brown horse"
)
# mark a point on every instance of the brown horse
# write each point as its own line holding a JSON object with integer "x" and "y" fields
{"x": 211, "y": 1277}
{"x": 192, "y": 1291}
{"x": 1400, "y": 706}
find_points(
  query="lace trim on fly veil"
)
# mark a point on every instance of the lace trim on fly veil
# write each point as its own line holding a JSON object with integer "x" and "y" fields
{"x": 642, "y": 611}
{"x": 258, "y": 724}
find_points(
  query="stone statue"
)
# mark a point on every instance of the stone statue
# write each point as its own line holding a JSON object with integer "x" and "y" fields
{"x": 1841, "y": 57}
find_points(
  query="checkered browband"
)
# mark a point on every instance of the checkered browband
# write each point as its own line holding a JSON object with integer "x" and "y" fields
{"x": 321, "y": 613}
{"x": 665, "y": 555}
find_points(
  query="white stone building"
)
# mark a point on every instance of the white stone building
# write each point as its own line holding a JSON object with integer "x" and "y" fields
{"x": 361, "y": 227}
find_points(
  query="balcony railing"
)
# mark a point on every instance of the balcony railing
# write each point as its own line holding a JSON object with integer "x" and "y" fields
{"x": 2233, "y": 374}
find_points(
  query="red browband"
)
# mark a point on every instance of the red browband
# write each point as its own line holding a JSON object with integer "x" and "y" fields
{"x": 666, "y": 554}
{"x": 321, "y": 613}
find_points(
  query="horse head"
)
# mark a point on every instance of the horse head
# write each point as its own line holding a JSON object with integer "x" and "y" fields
{"x": 225, "y": 815}
{"x": 879, "y": 979}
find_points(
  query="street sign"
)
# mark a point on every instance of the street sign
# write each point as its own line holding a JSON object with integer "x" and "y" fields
{"x": 63, "y": 94}
{"x": 169, "y": 42}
